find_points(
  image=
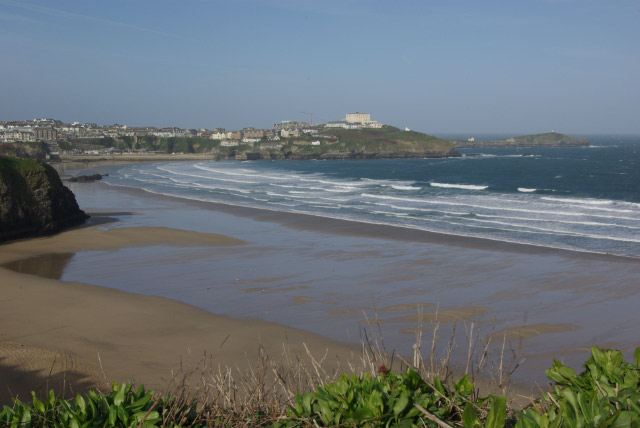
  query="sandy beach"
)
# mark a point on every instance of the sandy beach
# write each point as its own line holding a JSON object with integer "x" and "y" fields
{"x": 77, "y": 336}
{"x": 153, "y": 278}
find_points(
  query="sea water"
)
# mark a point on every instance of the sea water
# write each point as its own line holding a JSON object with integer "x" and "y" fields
{"x": 584, "y": 199}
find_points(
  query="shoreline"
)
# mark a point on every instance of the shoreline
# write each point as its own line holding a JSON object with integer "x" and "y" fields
{"x": 453, "y": 245}
{"x": 295, "y": 220}
{"x": 132, "y": 158}
{"x": 339, "y": 226}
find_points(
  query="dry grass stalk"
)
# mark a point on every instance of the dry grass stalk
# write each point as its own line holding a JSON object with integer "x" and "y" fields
{"x": 264, "y": 390}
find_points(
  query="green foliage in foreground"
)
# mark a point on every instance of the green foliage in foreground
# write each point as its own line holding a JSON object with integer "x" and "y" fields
{"x": 606, "y": 394}
{"x": 389, "y": 399}
{"x": 123, "y": 407}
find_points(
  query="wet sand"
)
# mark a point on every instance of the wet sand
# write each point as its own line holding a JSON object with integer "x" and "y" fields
{"x": 309, "y": 222}
{"x": 320, "y": 274}
{"x": 350, "y": 267}
{"x": 74, "y": 336}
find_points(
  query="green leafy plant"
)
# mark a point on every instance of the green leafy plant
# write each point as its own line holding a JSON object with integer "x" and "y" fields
{"x": 605, "y": 394}
{"x": 400, "y": 400}
{"x": 123, "y": 407}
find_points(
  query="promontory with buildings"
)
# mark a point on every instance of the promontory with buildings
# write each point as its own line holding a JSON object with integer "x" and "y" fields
{"x": 356, "y": 136}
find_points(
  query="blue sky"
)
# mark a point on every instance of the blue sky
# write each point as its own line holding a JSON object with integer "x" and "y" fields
{"x": 435, "y": 66}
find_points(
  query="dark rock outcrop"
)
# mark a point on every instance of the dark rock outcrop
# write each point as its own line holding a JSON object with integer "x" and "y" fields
{"x": 33, "y": 200}
{"x": 550, "y": 139}
{"x": 87, "y": 178}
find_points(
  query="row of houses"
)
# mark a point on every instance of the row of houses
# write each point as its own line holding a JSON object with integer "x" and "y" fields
{"x": 26, "y": 134}
{"x": 51, "y": 130}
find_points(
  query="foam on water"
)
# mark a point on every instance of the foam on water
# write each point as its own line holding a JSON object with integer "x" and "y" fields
{"x": 578, "y": 201}
{"x": 458, "y": 186}
{"x": 433, "y": 192}
{"x": 398, "y": 187}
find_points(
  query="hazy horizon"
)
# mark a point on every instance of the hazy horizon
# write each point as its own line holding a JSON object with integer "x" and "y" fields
{"x": 440, "y": 68}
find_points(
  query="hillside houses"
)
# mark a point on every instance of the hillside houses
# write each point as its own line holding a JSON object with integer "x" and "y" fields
{"x": 55, "y": 131}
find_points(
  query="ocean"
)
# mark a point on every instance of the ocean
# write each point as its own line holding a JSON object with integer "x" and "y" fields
{"x": 581, "y": 199}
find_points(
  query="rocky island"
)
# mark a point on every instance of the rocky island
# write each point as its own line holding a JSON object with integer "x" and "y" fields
{"x": 549, "y": 139}
{"x": 33, "y": 200}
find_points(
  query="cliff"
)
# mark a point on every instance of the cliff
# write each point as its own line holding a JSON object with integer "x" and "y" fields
{"x": 385, "y": 142}
{"x": 33, "y": 200}
{"x": 549, "y": 139}
{"x": 30, "y": 150}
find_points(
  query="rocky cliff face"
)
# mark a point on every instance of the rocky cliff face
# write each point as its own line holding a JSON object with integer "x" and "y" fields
{"x": 33, "y": 200}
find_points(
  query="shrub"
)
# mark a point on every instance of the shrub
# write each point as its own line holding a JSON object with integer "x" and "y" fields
{"x": 123, "y": 407}
{"x": 400, "y": 400}
{"x": 606, "y": 394}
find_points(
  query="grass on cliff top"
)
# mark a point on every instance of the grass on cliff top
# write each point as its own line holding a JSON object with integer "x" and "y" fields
{"x": 386, "y": 135}
{"x": 20, "y": 165}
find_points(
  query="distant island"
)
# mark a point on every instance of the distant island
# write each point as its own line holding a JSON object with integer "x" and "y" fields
{"x": 549, "y": 139}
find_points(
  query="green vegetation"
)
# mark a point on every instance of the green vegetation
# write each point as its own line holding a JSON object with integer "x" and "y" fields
{"x": 147, "y": 143}
{"x": 28, "y": 150}
{"x": 122, "y": 407}
{"x": 21, "y": 175}
{"x": 606, "y": 394}
{"x": 386, "y": 142}
{"x": 393, "y": 400}
{"x": 389, "y": 141}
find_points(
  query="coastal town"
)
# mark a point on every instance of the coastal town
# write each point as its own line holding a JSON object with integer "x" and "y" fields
{"x": 59, "y": 136}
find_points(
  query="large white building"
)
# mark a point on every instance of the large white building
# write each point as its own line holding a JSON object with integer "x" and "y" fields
{"x": 363, "y": 119}
{"x": 355, "y": 121}
{"x": 358, "y": 117}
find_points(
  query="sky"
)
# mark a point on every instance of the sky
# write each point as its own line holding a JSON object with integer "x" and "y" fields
{"x": 436, "y": 66}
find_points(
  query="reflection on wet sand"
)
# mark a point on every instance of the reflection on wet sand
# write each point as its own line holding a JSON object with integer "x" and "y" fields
{"x": 46, "y": 265}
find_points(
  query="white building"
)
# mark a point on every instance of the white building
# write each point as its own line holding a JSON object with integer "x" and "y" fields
{"x": 220, "y": 135}
{"x": 163, "y": 134}
{"x": 17, "y": 134}
{"x": 363, "y": 119}
{"x": 358, "y": 117}
{"x": 250, "y": 140}
{"x": 287, "y": 133}
{"x": 343, "y": 124}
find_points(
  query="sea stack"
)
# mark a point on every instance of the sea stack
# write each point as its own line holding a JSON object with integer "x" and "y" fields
{"x": 33, "y": 200}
